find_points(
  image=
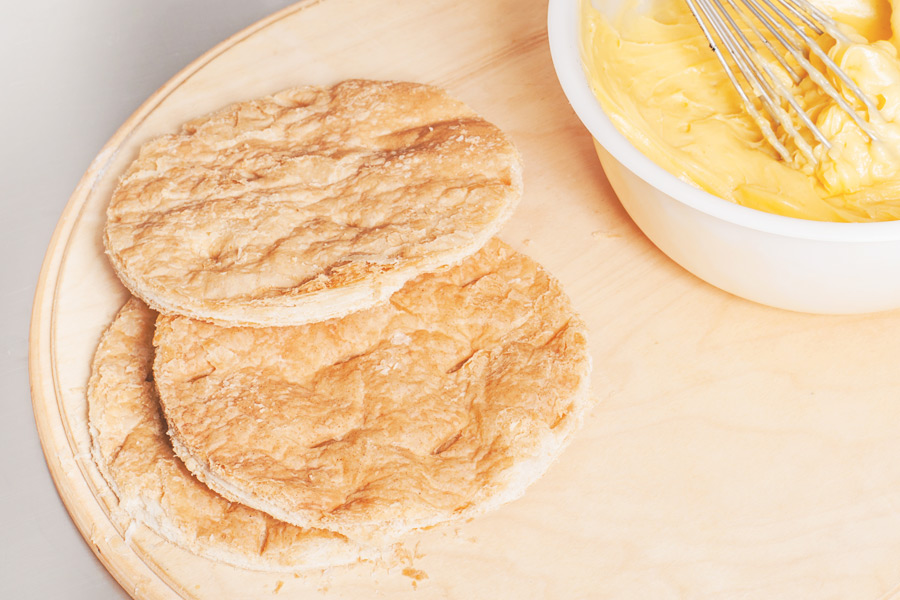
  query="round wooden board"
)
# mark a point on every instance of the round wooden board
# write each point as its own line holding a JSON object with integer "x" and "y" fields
{"x": 736, "y": 451}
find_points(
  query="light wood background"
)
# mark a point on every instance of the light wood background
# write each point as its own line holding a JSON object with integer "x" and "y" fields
{"x": 736, "y": 451}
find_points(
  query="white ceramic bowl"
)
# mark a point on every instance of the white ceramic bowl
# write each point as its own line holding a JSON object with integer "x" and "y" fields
{"x": 807, "y": 266}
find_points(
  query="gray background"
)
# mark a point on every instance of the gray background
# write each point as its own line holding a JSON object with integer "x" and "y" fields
{"x": 72, "y": 71}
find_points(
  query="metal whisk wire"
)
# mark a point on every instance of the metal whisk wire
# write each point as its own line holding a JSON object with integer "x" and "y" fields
{"x": 785, "y": 22}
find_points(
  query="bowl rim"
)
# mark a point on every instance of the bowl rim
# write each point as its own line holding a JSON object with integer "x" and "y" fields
{"x": 563, "y": 33}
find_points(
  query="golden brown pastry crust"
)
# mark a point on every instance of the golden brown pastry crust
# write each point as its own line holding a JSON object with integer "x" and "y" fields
{"x": 438, "y": 405}
{"x": 310, "y": 203}
{"x": 132, "y": 451}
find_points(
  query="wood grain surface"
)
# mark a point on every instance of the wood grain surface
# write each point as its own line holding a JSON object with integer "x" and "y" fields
{"x": 736, "y": 451}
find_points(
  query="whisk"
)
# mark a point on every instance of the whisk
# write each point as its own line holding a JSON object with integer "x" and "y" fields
{"x": 790, "y": 25}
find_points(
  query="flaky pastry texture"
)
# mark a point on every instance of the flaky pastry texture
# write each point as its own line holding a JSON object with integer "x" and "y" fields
{"x": 133, "y": 453}
{"x": 309, "y": 204}
{"x": 438, "y": 405}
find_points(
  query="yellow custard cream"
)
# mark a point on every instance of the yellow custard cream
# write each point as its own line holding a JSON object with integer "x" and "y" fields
{"x": 664, "y": 89}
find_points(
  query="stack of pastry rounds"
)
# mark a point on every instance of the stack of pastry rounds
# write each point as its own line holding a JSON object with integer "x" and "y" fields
{"x": 343, "y": 354}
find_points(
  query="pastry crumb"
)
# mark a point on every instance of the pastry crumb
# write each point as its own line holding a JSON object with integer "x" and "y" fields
{"x": 416, "y": 575}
